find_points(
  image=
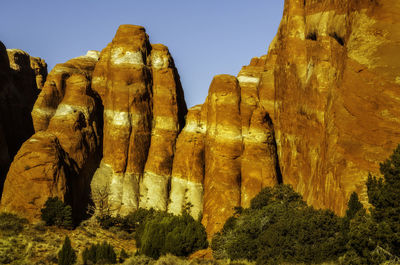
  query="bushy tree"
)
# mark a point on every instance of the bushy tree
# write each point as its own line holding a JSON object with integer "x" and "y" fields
{"x": 384, "y": 196}
{"x": 280, "y": 227}
{"x": 158, "y": 233}
{"x": 361, "y": 239}
{"x": 11, "y": 224}
{"x": 280, "y": 193}
{"x": 56, "y": 212}
{"x": 99, "y": 254}
{"x": 166, "y": 233}
{"x": 353, "y": 206}
{"x": 67, "y": 255}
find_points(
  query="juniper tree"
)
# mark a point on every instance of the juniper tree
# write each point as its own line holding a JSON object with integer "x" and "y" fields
{"x": 67, "y": 255}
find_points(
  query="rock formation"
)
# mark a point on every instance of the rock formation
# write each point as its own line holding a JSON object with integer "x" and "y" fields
{"x": 21, "y": 77}
{"x": 336, "y": 95}
{"x": 319, "y": 112}
{"x": 328, "y": 91}
{"x": 60, "y": 158}
{"x": 188, "y": 169}
{"x": 41, "y": 169}
{"x": 225, "y": 154}
{"x": 144, "y": 111}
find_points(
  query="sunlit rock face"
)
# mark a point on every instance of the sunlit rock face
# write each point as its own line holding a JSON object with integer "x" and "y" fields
{"x": 226, "y": 153}
{"x": 144, "y": 111}
{"x": 41, "y": 169}
{"x": 335, "y": 94}
{"x": 21, "y": 77}
{"x": 60, "y": 158}
{"x": 188, "y": 167}
{"x": 319, "y": 112}
{"x": 223, "y": 147}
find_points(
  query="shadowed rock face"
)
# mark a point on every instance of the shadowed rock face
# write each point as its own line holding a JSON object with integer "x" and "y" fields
{"x": 60, "y": 158}
{"x": 21, "y": 77}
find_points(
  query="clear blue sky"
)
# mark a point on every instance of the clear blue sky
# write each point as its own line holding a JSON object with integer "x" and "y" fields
{"x": 205, "y": 38}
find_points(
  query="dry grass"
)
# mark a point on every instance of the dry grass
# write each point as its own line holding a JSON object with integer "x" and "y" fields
{"x": 173, "y": 260}
{"x": 38, "y": 244}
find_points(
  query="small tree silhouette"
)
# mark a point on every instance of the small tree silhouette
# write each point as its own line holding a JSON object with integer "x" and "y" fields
{"x": 56, "y": 212}
{"x": 100, "y": 198}
{"x": 67, "y": 255}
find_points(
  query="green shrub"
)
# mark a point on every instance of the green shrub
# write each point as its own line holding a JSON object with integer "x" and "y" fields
{"x": 158, "y": 233}
{"x": 128, "y": 223}
{"x": 11, "y": 224}
{"x": 384, "y": 196}
{"x": 280, "y": 193}
{"x": 279, "y": 227}
{"x": 67, "y": 255}
{"x": 301, "y": 236}
{"x": 166, "y": 233}
{"x": 55, "y": 212}
{"x": 99, "y": 254}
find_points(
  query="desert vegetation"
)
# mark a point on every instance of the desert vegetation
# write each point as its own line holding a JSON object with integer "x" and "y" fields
{"x": 158, "y": 233}
{"x": 277, "y": 228}
{"x": 280, "y": 228}
{"x": 55, "y": 212}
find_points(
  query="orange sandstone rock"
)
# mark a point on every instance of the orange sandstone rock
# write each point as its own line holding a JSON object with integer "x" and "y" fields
{"x": 60, "y": 159}
{"x": 169, "y": 110}
{"x": 336, "y": 90}
{"x": 223, "y": 148}
{"x": 188, "y": 168}
{"x": 260, "y": 167}
{"x": 41, "y": 169}
{"x": 143, "y": 104}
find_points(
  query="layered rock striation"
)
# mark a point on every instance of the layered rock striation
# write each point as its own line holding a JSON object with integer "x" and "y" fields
{"x": 319, "y": 112}
{"x": 336, "y": 95}
{"x": 144, "y": 111}
{"x": 225, "y": 154}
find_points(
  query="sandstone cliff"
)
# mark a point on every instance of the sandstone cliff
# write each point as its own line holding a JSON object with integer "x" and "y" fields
{"x": 144, "y": 111}
{"x": 328, "y": 91}
{"x": 225, "y": 154}
{"x": 319, "y": 112}
{"x": 21, "y": 77}
{"x": 336, "y": 95}
{"x": 106, "y": 119}
{"x": 60, "y": 158}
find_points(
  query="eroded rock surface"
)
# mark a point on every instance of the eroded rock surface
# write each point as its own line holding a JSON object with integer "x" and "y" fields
{"x": 144, "y": 111}
{"x": 60, "y": 158}
{"x": 188, "y": 169}
{"x": 336, "y": 95}
{"x": 41, "y": 169}
{"x": 319, "y": 112}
